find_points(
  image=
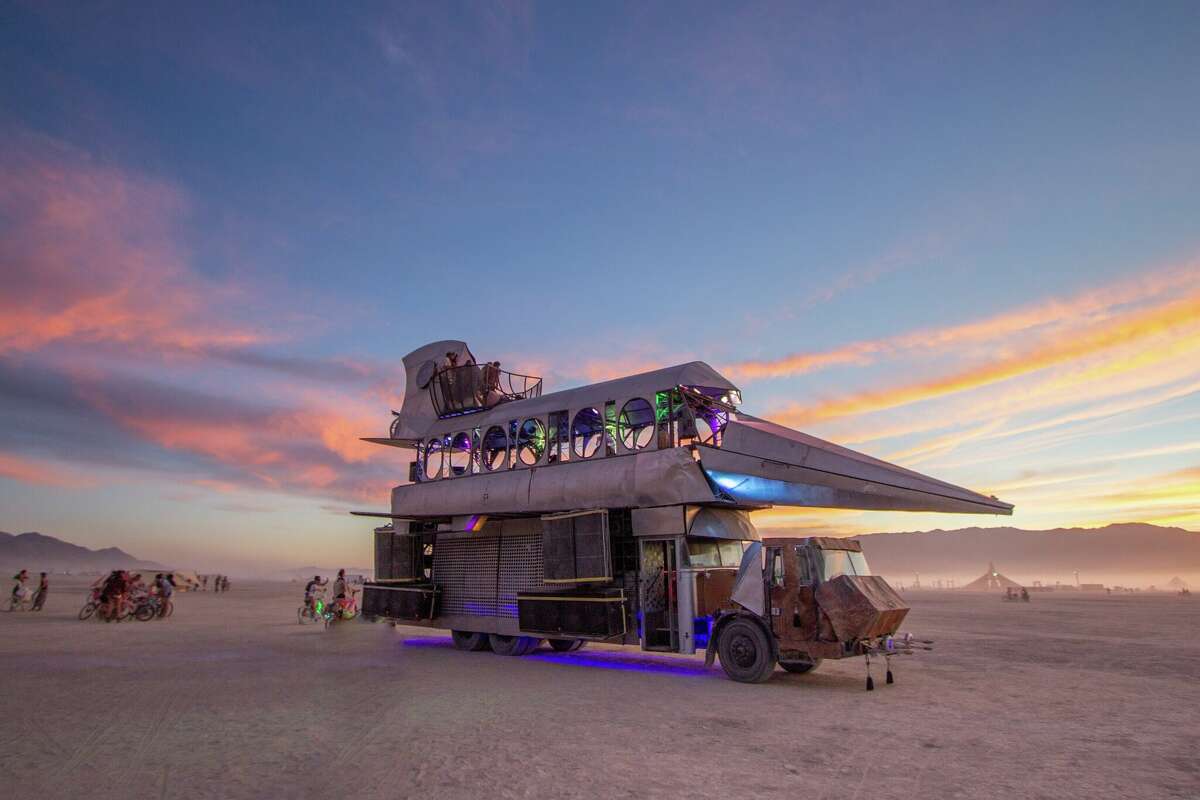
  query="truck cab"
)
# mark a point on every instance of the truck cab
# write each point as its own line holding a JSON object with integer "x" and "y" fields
{"x": 798, "y": 601}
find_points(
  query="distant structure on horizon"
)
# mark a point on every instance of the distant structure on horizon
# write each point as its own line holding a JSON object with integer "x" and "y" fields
{"x": 991, "y": 581}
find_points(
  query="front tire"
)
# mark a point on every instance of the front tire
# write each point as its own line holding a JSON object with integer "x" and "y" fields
{"x": 87, "y": 611}
{"x": 745, "y": 652}
{"x": 566, "y": 645}
{"x": 801, "y": 667}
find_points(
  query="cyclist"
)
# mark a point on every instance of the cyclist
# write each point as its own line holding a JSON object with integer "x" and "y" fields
{"x": 19, "y": 590}
{"x": 165, "y": 589}
{"x": 310, "y": 593}
{"x": 343, "y": 595}
{"x": 113, "y": 594}
{"x": 39, "y": 598}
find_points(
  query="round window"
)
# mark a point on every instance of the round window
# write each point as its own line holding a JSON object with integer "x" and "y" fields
{"x": 531, "y": 442}
{"x": 494, "y": 450}
{"x": 434, "y": 455}
{"x": 586, "y": 431}
{"x": 636, "y": 424}
{"x": 710, "y": 423}
{"x": 460, "y": 454}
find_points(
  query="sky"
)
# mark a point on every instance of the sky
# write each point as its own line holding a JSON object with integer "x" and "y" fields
{"x": 963, "y": 238}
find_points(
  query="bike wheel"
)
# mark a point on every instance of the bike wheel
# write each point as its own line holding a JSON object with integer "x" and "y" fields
{"x": 144, "y": 613}
{"x": 88, "y": 610}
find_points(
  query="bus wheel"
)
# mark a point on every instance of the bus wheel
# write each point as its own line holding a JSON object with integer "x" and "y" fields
{"x": 513, "y": 645}
{"x": 745, "y": 652}
{"x": 801, "y": 667}
{"x": 465, "y": 640}
{"x": 566, "y": 645}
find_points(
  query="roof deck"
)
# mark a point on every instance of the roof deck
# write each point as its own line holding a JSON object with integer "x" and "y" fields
{"x": 469, "y": 388}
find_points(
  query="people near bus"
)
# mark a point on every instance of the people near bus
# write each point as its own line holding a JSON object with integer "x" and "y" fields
{"x": 204, "y": 582}
{"x": 20, "y": 588}
{"x": 216, "y": 583}
{"x": 224, "y": 583}
{"x": 310, "y": 592}
{"x": 164, "y": 586}
{"x": 1024, "y": 594}
{"x": 39, "y": 597}
{"x": 339, "y": 585}
{"x": 113, "y": 594}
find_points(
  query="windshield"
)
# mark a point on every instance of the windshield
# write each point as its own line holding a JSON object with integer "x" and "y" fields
{"x": 715, "y": 552}
{"x": 844, "y": 562}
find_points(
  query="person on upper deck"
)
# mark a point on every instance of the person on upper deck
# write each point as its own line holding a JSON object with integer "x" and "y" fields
{"x": 491, "y": 383}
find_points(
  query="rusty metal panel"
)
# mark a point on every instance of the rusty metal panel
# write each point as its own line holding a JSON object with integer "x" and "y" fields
{"x": 861, "y": 606}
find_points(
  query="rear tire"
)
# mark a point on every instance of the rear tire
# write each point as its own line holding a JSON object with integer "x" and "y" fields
{"x": 801, "y": 667}
{"x": 745, "y": 652}
{"x": 566, "y": 645}
{"x": 471, "y": 642}
{"x": 512, "y": 645}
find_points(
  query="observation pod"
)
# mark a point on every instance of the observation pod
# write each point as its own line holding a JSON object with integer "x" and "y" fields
{"x": 621, "y": 511}
{"x": 489, "y": 441}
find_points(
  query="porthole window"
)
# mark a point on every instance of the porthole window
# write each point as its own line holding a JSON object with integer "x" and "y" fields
{"x": 531, "y": 442}
{"x": 586, "y": 431}
{"x": 636, "y": 424}
{"x": 494, "y": 450}
{"x": 710, "y": 424}
{"x": 460, "y": 454}
{"x": 434, "y": 454}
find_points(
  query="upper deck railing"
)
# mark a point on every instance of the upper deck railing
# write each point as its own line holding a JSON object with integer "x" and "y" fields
{"x": 478, "y": 387}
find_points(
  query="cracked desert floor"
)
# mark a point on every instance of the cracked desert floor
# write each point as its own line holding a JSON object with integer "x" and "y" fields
{"x": 1068, "y": 696}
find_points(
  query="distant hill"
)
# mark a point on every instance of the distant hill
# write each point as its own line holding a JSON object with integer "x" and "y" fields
{"x": 37, "y": 552}
{"x": 1134, "y": 553}
{"x": 304, "y": 573}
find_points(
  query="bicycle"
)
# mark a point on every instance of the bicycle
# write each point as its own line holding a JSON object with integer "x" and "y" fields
{"x": 311, "y": 612}
{"x": 21, "y": 600}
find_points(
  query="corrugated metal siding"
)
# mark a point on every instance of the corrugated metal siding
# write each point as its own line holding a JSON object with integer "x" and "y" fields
{"x": 481, "y": 577}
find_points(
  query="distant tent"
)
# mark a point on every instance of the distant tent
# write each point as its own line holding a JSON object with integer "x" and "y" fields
{"x": 1177, "y": 583}
{"x": 991, "y": 581}
{"x": 186, "y": 581}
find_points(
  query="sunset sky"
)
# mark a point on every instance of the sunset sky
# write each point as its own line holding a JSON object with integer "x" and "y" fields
{"x": 961, "y": 237}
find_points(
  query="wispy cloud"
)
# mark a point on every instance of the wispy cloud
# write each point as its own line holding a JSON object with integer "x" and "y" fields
{"x": 97, "y": 281}
{"x": 1047, "y": 317}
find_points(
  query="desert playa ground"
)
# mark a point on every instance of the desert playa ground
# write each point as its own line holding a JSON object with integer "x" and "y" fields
{"x": 1068, "y": 696}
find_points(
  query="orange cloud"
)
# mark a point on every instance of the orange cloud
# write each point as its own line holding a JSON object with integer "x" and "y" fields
{"x": 1175, "y": 324}
{"x": 27, "y": 470}
{"x": 89, "y": 254}
{"x": 1056, "y": 314}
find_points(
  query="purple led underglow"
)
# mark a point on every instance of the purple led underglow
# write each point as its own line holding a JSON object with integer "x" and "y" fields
{"x": 625, "y": 663}
{"x": 427, "y": 641}
{"x": 596, "y": 659}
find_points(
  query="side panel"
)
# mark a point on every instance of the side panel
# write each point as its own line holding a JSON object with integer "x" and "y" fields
{"x": 654, "y": 478}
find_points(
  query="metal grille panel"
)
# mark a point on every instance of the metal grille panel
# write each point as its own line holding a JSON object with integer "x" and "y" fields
{"x": 520, "y": 570}
{"x": 465, "y": 569}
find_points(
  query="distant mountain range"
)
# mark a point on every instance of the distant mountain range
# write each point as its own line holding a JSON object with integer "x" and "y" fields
{"x": 1129, "y": 554}
{"x": 304, "y": 573}
{"x": 37, "y": 552}
{"x": 1132, "y": 553}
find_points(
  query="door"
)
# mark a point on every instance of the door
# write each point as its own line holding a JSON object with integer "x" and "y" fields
{"x": 793, "y": 604}
{"x": 658, "y": 594}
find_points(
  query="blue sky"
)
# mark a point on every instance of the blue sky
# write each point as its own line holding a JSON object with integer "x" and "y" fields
{"x": 221, "y": 228}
